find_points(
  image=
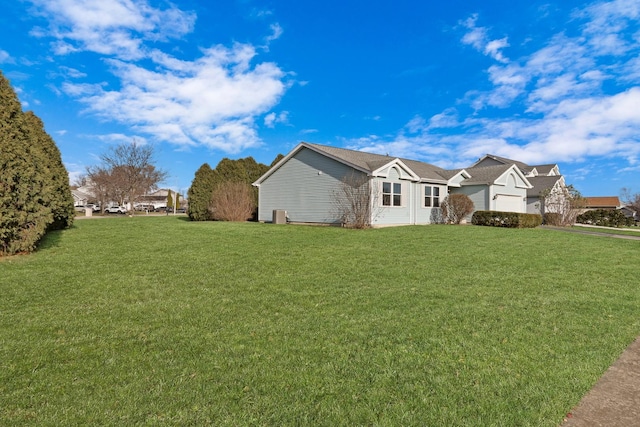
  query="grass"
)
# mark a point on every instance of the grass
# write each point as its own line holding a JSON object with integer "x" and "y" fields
{"x": 160, "y": 321}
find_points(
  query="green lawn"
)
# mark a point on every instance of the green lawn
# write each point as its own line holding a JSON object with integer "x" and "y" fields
{"x": 160, "y": 321}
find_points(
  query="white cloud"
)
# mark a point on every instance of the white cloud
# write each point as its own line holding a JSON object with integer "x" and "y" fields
{"x": 212, "y": 100}
{"x": 493, "y": 49}
{"x": 116, "y": 27}
{"x": 272, "y": 118}
{"x": 5, "y": 58}
{"x": 560, "y": 109}
{"x": 478, "y": 37}
{"x": 277, "y": 32}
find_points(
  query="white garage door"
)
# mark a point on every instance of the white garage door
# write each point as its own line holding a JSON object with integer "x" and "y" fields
{"x": 509, "y": 203}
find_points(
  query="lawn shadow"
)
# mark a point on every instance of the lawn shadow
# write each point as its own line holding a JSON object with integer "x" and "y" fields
{"x": 50, "y": 240}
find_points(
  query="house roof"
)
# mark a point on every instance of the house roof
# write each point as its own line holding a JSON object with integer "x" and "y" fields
{"x": 80, "y": 195}
{"x": 489, "y": 175}
{"x": 602, "y": 202}
{"x": 485, "y": 174}
{"x": 365, "y": 162}
{"x": 544, "y": 169}
{"x": 525, "y": 168}
{"x": 541, "y": 183}
{"x": 370, "y": 163}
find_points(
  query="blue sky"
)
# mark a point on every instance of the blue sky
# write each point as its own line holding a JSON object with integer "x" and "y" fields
{"x": 442, "y": 82}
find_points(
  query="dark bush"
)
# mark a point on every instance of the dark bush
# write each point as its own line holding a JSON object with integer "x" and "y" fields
{"x": 554, "y": 219}
{"x": 506, "y": 219}
{"x": 456, "y": 207}
{"x": 605, "y": 218}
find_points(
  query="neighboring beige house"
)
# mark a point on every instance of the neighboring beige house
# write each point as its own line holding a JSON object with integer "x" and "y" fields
{"x": 610, "y": 203}
{"x": 606, "y": 202}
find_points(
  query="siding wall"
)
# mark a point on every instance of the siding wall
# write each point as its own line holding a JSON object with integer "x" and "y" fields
{"x": 387, "y": 215}
{"x": 479, "y": 195}
{"x": 533, "y": 205}
{"x": 508, "y": 195}
{"x": 303, "y": 187}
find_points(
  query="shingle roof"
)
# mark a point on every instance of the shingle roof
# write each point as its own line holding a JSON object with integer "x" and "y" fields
{"x": 602, "y": 202}
{"x": 485, "y": 174}
{"x": 522, "y": 166}
{"x": 544, "y": 169}
{"x": 541, "y": 183}
{"x": 370, "y": 161}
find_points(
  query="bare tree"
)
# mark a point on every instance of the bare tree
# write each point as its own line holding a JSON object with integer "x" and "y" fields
{"x": 80, "y": 180}
{"x": 355, "y": 202}
{"x": 232, "y": 201}
{"x": 561, "y": 206}
{"x": 630, "y": 199}
{"x": 99, "y": 180}
{"x": 132, "y": 171}
{"x": 455, "y": 207}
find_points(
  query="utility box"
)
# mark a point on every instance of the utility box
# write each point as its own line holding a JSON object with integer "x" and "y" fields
{"x": 88, "y": 211}
{"x": 279, "y": 216}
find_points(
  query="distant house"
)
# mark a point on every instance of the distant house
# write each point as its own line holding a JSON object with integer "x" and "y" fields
{"x": 80, "y": 198}
{"x": 607, "y": 202}
{"x": 157, "y": 199}
{"x": 543, "y": 179}
{"x": 304, "y": 182}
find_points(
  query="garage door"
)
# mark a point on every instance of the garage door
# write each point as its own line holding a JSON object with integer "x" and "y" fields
{"x": 506, "y": 203}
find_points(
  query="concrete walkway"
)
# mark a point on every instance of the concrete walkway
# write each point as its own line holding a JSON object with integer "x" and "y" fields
{"x": 615, "y": 399}
{"x": 595, "y": 232}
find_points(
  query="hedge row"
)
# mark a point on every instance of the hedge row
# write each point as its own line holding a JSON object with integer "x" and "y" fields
{"x": 506, "y": 219}
{"x": 605, "y": 218}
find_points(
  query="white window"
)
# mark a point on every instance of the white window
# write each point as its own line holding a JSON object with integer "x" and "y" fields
{"x": 431, "y": 196}
{"x": 391, "y": 194}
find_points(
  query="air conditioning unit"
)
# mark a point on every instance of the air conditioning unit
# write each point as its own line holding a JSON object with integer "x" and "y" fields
{"x": 279, "y": 216}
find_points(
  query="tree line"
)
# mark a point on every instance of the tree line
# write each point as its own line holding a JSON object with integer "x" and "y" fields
{"x": 225, "y": 193}
{"x": 35, "y": 196}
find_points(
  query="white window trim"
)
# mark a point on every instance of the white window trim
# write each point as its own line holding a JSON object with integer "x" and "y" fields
{"x": 432, "y": 197}
{"x": 392, "y": 194}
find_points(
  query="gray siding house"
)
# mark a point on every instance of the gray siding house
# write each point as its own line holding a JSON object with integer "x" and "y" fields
{"x": 543, "y": 178}
{"x": 305, "y": 181}
{"x": 496, "y": 188}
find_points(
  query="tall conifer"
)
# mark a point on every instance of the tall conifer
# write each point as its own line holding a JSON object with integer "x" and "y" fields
{"x": 28, "y": 193}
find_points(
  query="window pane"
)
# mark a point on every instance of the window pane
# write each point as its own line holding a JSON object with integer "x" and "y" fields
{"x": 397, "y": 200}
{"x": 397, "y": 188}
{"x": 427, "y": 202}
{"x": 427, "y": 191}
{"x": 386, "y": 187}
{"x": 386, "y": 200}
{"x": 436, "y": 202}
{"x": 436, "y": 191}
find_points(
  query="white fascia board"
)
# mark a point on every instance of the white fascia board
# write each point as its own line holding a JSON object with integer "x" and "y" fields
{"x": 463, "y": 173}
{"x": 517, "y": 171}
{"x": 395, "y": 162}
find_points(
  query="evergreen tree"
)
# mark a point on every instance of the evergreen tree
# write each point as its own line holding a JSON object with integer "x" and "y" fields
{"x": 29, "y": 203}
{"x": 58, "y": 195}
{"x": 276, "y": 160}
{"x": 169, "y": 200}
{"x": 245, "y": 171}
{"x": 200, "y": 192}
